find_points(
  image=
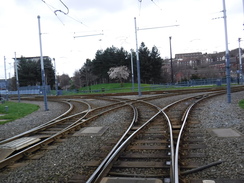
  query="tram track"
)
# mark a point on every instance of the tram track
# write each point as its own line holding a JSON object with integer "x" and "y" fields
{"x": 135, "y": 106}
{"x": 150, "y": 155}
{"x": 24, "y": 144}
{"x": 113, "y": 170}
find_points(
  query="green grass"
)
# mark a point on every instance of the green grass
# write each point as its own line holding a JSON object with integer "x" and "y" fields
{"x": 114, "y": 87}
{"x": 15, "y": 110}
{"x": 127, "y": 87}
{"x": 241, "y": 103}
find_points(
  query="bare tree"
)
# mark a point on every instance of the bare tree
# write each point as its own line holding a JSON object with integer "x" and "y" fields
{"x": 77, "y": 79}
{"x": 121, "y": 73}
{"x": 64, "y": 81}
{"x": 86, "y": 75}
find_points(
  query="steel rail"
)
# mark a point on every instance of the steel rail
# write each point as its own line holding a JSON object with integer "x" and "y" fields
{"x": 184, "y": 120}
{"x": 98, "y": 175}
{"x": 55, "y": 121}
{"x": 49, "y": 123}
{"x": 172, "y": 149}
{"x": 122, "y": 146}
{"x": 176, "y": 175}
{"x": 40, "y": 126}
{"x": 107, "y": 162}
{"x": 38, "y": 145}
{"x": 172, "y": 153}
{"x": 103, "y": 164}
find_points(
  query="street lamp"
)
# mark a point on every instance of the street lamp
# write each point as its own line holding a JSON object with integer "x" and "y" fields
{"x": 132, "y": 69}
{"x": 171, "y": 61}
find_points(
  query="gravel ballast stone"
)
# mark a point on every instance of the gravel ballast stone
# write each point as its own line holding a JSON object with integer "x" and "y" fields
{"x": 67, "y": 159}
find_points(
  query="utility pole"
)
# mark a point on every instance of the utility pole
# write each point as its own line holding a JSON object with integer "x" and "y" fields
{"x": 240, "y": 62}
{"x": 6, "y": 81}
{"x": 137, "y": 54}
{"x": 55, "y": 74}
{"x": 42, "y": 68}
{"x": 243, "y": 10}
{"x": 171, "y": 62}
{"x": 137, "y": 62}
{"x": 16, "y": 75}
{"x": 132, "y": 70}
{"x": 227, "y": 56}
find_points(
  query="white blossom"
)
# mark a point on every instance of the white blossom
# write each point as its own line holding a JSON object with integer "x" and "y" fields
{"x": 121, "y": 72}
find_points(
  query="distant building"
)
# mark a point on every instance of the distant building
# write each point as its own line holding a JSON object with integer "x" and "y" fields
{"x": 2, "y": 84}
{"x": 185, "y": 65}
{"x": 35, "y": 59}
{"x": 187, "y": 55}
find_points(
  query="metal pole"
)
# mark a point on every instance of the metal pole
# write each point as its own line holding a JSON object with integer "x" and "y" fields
{"x": 137, "y": 62}
{"x": 42, "y": 67}
{"x": 243, "y": 9}
{"x": 56, "y": 82}
{"x": 171, "y": 61}
{"x": 240, "y": 62}
{"x": 227, "y": 57}
{"x": 6, "y": 81}
{"x": 132, "y": 70}
{"x": 16, "y": 74}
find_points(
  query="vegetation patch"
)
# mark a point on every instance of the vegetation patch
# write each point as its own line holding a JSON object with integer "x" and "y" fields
{"x": 127, "y": 87}
{"x": 241, "y": 103}
{"x": 14, "y": 110}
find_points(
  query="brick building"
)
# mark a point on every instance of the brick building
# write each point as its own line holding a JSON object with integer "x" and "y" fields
{"x": 187, "y": 65}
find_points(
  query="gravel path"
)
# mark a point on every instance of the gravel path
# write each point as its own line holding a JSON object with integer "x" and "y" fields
{"x": 59, "y": 165}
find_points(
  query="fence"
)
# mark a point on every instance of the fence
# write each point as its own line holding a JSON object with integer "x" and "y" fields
{"x": 38, "y": 90}
{"x": 31, "y": 90}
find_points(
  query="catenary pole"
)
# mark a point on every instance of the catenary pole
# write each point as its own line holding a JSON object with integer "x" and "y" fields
{"x": 132, "y": 69}
{"x": 227, "y": 57}
{"x": 171, "y": 61}
{"x": 42, "y": 67}
{"x": 6, "y": 81}
{"x": 137, "y": 62}
{"x": 243, "y": 10}
{"x": 16, "y": 75}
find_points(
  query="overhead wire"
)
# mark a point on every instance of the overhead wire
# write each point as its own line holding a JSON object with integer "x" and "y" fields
{"x": 61, "y": 10}
{"x": 55, "y": 10}
{"x": 217, "y": 17}
{"x": 156, "y": 5}
{"x": 52, "y": 9}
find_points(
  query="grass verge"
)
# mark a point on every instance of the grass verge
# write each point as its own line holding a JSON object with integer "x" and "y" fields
{"x": 127, "y": 87}
{"x": 241, "y": 103}
{"x": 11, "y": 111}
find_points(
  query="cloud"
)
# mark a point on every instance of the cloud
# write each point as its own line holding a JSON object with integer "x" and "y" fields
{"x": 19, "y": 27}
{"x": 100, "y": 6}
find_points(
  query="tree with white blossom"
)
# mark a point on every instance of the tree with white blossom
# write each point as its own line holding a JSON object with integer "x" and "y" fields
{"x": 121, "y": 73}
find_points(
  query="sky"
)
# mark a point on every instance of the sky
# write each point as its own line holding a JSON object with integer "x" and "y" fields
{"x": 74, "y": 30}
